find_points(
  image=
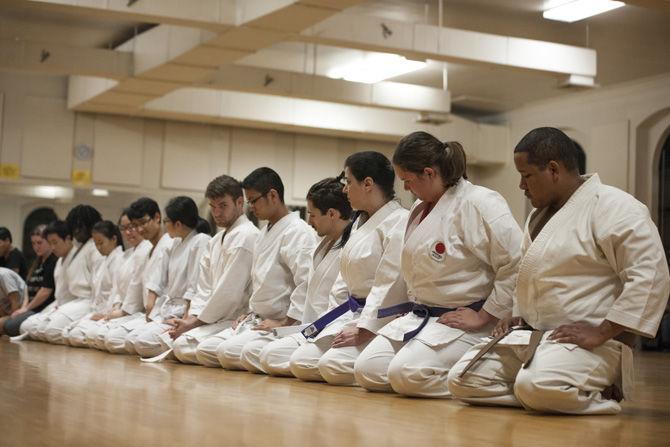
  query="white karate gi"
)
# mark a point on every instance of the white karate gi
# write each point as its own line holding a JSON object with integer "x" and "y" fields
{"x": 102, "y": 282}
{"x": 271, "y": 353}
{"x": 599, "y": 257}
{"x": 36, "y": 324}
{"x": 281, "y": 260}
{"x": 180, "y": 267}
{"x": 79, "y": 279}
{"x": 466, "y": 249}
{"x": 118, "y": 337}
{"x": 370, "y": 269}
{"x": 223, "y": 288}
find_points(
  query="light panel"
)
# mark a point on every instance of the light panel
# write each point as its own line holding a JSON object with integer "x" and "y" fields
{"x": 375, "y": 67}
{"x": 576, "y": 10}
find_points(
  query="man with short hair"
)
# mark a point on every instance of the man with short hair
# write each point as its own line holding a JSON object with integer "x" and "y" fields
{"x": 145, "y": 216}
{"x": 224, "y": 282}
{"x": 59, "y": 236}
{"x": 281, "y": 260}
{"x": 10, "y": 256}
{"x": 593, "y": 274}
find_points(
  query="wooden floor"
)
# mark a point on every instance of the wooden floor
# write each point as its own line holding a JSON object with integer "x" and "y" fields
{"x": 55, "y": 395}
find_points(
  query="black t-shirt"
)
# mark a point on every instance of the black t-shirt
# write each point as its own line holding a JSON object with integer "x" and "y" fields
{"x": 43, "y": 276}
{"x": 15, "y": 261}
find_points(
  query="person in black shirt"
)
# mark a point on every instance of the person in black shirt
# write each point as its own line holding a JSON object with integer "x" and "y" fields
{"x": 10, "y": 256}
{"x": 40, "y": 282}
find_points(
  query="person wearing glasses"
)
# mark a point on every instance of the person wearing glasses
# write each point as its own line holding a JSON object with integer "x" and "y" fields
{"x": 224, "y": 284}
{"x": 126, "y": 294}
{"x": 180, "y": 267}
{"x": 145, "y": 217}
{"x": 370, "y": 275}
{"x": 281, "y": 260}
{"x": 329, "y": 214}
{"x": 109, "y": 243}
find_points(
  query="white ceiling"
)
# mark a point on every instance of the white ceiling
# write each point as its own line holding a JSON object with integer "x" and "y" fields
{"x": 631, "y": 43}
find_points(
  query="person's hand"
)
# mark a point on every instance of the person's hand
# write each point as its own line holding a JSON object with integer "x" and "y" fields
{"x": 352, "y": 336}
{"x": 179, "y": 326}
{"x": 584, "y": 335}
{"x": 267, "y": 325}
{"x": 239, "y": 320}
{"x": 506, "y": 323}
{"x": 116, "y": 313}
{"x": 465, "y": 319}
{"x": 19, "y": 311}
{"x": 96, "y": 317}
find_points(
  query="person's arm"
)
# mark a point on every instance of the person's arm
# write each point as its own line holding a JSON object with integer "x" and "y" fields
{"x": 14, "y": 301}
{"x": 494, "y": 238}
{"x": 632, "y": 246}
{"x": 296, "y": 254}
{"x": 40, "y": 297}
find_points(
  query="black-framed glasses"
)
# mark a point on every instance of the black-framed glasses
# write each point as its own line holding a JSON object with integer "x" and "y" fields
{"x": 252, "y": 202}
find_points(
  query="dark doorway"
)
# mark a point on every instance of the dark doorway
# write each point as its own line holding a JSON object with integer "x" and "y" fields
{"x": 664, "y": 196}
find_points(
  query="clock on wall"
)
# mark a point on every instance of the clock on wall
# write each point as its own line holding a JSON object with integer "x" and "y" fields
{"x": 83, "y": 152}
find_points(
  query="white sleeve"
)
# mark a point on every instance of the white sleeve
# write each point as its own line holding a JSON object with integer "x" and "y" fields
{"x": 632, "y": 246}
{"x": 296, "y": 253}
{"x": 199, "y": 250}
{"x": 233, "y": 288}
{"x": 389, "y": 287}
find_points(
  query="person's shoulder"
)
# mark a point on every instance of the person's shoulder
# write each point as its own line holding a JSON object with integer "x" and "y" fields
{"x": 613, "y": 201}
{"x": 485, "y": 202}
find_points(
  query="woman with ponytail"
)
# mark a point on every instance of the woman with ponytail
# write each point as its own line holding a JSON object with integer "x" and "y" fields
{"x": 459, "y": 260}
{"x": 369, "y": 275}
{"x": 180, "y": 268}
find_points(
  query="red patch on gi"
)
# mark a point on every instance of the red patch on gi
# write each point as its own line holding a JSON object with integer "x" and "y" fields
{"x": 440, "y": 248}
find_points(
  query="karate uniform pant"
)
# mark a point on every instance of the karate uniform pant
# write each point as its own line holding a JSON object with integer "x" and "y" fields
{"x": 77, "y": 333}
{"x": 562, "y": 378}
{"x": 35, "y": 324}
{"x": 185, "y": 347}
{"x": 413, "y": 368}
{"x": 60, "y": 322}
{"x": 319, "y": 361}
{"x": 117, "y": 338}
{"x": 271, "y": 355}
{"x": 230, "y": 350}
{"x": 95, "y": 334}
{"x": 150, "y": 339}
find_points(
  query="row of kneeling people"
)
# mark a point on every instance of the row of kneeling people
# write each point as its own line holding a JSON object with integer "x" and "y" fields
{"x": 450, "y": 299}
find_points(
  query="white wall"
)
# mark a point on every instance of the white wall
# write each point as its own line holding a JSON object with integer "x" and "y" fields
{"x": 135, "y": 156}
{"x": 621, "y": 129}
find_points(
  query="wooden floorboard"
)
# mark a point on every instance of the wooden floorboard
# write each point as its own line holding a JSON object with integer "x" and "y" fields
{"x": 56, "y": 395}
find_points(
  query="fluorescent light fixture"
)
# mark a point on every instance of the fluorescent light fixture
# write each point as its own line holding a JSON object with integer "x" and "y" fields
{"x": 53, "y": 192}
{"x": 375, "y": 67}
{"x": 100, "y": 192}
{"x": 575, "y": 10}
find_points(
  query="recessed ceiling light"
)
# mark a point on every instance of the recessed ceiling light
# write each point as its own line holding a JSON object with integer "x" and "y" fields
{"x": 575, "y": 10}
{"x": 375, "y": 67}
{"x": 100, "y": 192}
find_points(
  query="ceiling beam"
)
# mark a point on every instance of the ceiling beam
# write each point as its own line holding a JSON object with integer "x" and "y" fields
{"x": 391, "y": 95}
{"x": 45, "y": 57}
{"x": 419, "y": 41}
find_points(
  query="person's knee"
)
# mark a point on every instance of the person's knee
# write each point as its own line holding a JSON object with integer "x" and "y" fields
{"x": 205, "y": 352}
{"x": 275, "y": 361}
{"x": 371, "y": 374}
{"x": 334, "y": 368}
{"x": 149, "y": 345}
{"x": 53, "y": 333}
{"x": 542, "y": 391}
{"x": 185, "y": 350}
{"x": 250, "y": 357}
{"x": 76, "y": 338}
{"x": 228, "y": 354}
{"x": 304, "y": 364}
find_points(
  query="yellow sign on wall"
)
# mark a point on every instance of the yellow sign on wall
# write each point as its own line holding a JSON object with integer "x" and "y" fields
{"x": 10, "y": 171}
{"x": 81, "y": 177}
